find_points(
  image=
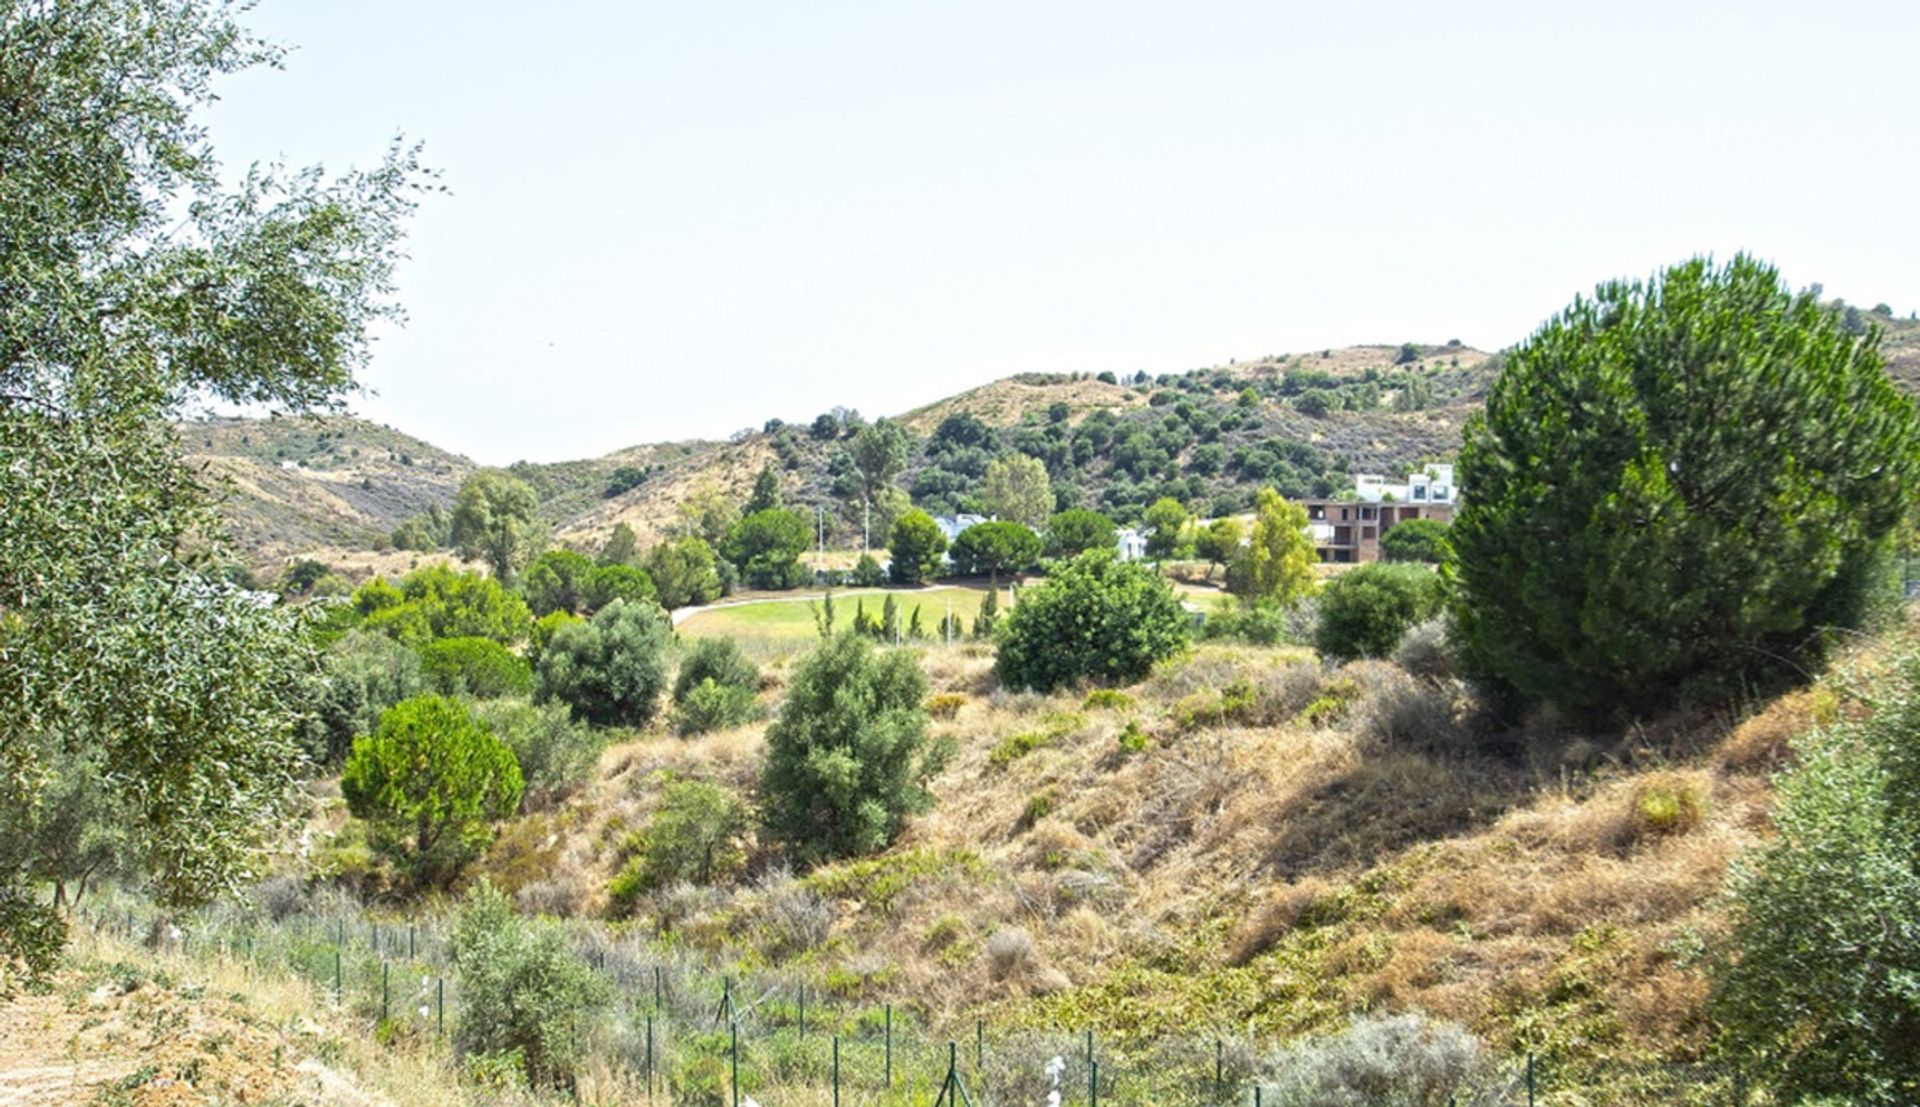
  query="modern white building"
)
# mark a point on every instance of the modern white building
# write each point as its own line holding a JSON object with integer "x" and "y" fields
{"x": 1432, "y": 485}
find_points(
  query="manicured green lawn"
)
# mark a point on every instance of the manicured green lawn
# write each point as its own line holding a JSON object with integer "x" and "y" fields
{"x": 773, "y": 619}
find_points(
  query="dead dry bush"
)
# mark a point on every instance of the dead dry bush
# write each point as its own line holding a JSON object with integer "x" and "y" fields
{"x": 1425, "y": 653}
{"x": 1276, "y": 914}
{"x": 1011, "y": 954}
{"x": 1407, "y": 714}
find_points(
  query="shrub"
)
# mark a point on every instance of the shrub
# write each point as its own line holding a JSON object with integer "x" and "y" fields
{"x": 1276, "y": 564}
{"x": 798, "y": 919}
{"x": 1096, "y": 618}
{"x": 522, "y": 991}
{"x": 610, "y": 670}
{"x": 718, "y": 660}
{"x": 1666, "y": 803}
{"x": 1727, "y": 491}
{"x": 1425, "y": 652}
{"x": 430, "y": 780}
{"x": 477, "y": 667}
{"x": 556, "y": 581}
{"x": 1386, "y": 1059}
{"x": 847, "y": 758}
{"x": 1264, "y": 624}
{"x": 709, "y": 706}
{"x": 1107, "y": 699}
{"x": 693, "y": 836}
{"x": 1815, "y": 988}
{"x": 715, "y": 688}
{"x": 1366, "y": 611}
{"x": 1409, "y": 714}
{"x": 946, "y": 705}
{"x": 1011, "y": 953}
{"x": 556, "y": 755}
{"x": 440, "y": 602}
{"x": 1416, "y": 540}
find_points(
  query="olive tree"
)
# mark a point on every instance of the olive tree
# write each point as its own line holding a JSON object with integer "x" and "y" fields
{"x": 133, "y": 279}
{"x": 609, "y": 670}
{"x": 847, "y": 758}
{"x": 496, "y": 518}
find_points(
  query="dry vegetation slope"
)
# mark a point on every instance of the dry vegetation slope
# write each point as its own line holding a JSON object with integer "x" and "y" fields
{"x": 295, "y": 485}
{"x": 1291, "y": 844}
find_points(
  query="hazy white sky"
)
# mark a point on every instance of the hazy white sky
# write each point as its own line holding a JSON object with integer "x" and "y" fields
{"x": 677, "y": 220}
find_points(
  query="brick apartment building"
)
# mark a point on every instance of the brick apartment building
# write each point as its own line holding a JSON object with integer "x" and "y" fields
{"x": 1349, "y": 530}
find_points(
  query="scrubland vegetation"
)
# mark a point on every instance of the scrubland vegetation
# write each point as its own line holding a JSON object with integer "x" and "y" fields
{"x": 1606, "y": 793}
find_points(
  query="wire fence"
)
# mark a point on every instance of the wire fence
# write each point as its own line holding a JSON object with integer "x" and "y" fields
{"x": 691, "y": 1035}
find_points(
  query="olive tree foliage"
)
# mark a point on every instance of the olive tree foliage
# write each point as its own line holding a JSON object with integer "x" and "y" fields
{"x": 1675, "y": 487}
{"x": 496, "y": 519}
{"x": 847, "y": 758}
{"x": 131, "y": 280}
{"x": 361, "y": 675}
{"x": 608, "y": 670}
{"x": 525, "y": 996}
{"x": 1817, "y": 989}
{"x": 1094, "y": 618}
{"x": 1017, "y": 490}
{"x": 878, "y": 452}
{"x": 431, "y": 781}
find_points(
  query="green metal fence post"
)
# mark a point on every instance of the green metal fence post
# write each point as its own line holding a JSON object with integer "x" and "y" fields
{"x": 383, "y": 991}
{"x": 336, "y": 974}
{"x": 649, "y": 1054}
{"x": 409, "y": 941}
{"x": 1529, "y": 1080}
{"x": 440, "y": 1005}
{"x": 889, "y": 1047}
{"x": 1219, "y": 1068}
{"x": 656, "y": 987}
{"x": 1093, "y": 1084}
{"x": 736, "y": 1063}
{"x": 803, "y": 1011}
{"x": 836, "y": 1070}
{"x": 1256, "y": 1095}
{"x": 979, "y": 1045}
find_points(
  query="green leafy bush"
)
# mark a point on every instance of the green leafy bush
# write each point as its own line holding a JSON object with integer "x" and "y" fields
{"x": 694, "y": 836}
{"x": 767, "y": 545}
{"x": 1816, "y": 989}
{"x": 1674, "y": 488}
{"x": 1364, "y": 612}
{"x": 431, "y": 781}
{"x": 995, "y": 548}
{"x": 847, "y": 758}
{"x": 1094, "y": 618}
{"x": 477, "y": 667}
{"x": 556, "y": 755}
{"x": 440, "y": 602}
{"x": 522, "y": 991}
{"x": 610, "y": 669}
{"x": 685, "y": 572}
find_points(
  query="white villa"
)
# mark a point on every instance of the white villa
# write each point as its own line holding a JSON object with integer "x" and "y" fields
{"x": 1432, "y": 485}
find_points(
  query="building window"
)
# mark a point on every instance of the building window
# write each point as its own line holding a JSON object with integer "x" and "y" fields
{"x": 1419, "y": 491}
{"x": 1366, "y": 534}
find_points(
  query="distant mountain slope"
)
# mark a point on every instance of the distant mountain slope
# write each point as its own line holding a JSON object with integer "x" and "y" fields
{"x": 1210, "y": 436}
{"x": 292, "y": 485}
